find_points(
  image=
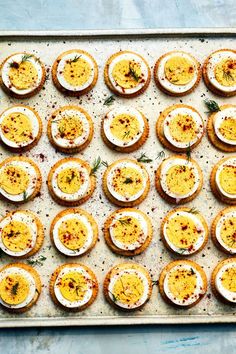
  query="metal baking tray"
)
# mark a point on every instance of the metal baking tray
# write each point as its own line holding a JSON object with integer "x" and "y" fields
{"x": 101, "y": 44}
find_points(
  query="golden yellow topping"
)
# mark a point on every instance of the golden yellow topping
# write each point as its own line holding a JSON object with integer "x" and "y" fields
{"x": 70, "y": 127}
{"x": 225, "y": 72}
{"x": 127, "y": 230}
{"x": 16, "y": 236}
{"x": 183, "y": 128}
{"x": 70, "y": 180}
{"x": 180, "y": 179}
{"x": 17, "y": 127}
{"x": 227, "y": 179}
{"x": 182, "y": 231}
{"x": 14, "y": 289}
{"x": 73, "y": 286}
{"x": 14, "y": 180}
{"x": 228, "y": 279}
{"x": 182, "y": 283}
{"x": 77, "y": 71}
{"x": 128, "y": 288}
{"x": 73, "y": 233}
{"x": 228, "y": 128}
{"x": 125, "y": 127}
{"x": 178, "y": 70}
{"x": 23, "y": 75}
{"x": 127, "y": 73}
{"x": 127, "y": 181}
{"x": 228, "y": 232}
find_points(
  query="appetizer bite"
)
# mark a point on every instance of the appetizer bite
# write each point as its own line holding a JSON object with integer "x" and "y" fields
{"x": 22, "y": 75}
{"x": 73, "y": 286}
{"x": 20, "y": 179}
{"x": 223, "y": 281}
{"x": 74, "y": 232}
{"x": 128, "y": 286}
{"x": 20, "y": 128}
{"x": 70, "y": 129}
{"x": 221, "y": 128}
{"x": 124, "y": 129}
{"x": 177, "y": 73}
{"x": 71, "y": 181}
{"x": 21, "y": 234}
{"x": 126, "y": 183}
{"x": 127, "y": 74}
{"x": 75, "y": 72}
{"x": 223, "y": 180}
{"x": 128, "y": 231}
{"x": 178, "y": 179}
{"x": 219, "y": 72}
{"x": 180, "y": 128}
{"x": 184, "y": 231}
{"x": 223, "y": 230}
{"x": 183, "y": 283}
{"x": 20, "y": 287}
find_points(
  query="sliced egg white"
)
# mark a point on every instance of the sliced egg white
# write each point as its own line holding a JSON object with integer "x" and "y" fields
{"x": 227, "y": 294}
{"x": 143, "y": 297}
{"x": 219, "y": 225}
{"x": 33, "y": 119}
{"x": 199, "y": 226}
{"x": 183, "y": 111}
{"x": 88, "y": 293}
{"x": 193, "y": 297}
{"x": 109, "y": 120}
{"x": 32, "y": 286}
{"x": 130, "y": 57}
{"x": 60, "y": 69}
{"x": 18, "y": 58}
{"x": 229, "y": 161}
{"x": 219, "y": 118}
{"x": 142, "y": 237}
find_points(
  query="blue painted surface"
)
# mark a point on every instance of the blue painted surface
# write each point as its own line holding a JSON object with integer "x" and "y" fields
{"x": 103, "y": 14}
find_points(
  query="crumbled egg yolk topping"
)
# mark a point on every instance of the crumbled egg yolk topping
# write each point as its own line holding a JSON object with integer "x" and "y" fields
{"x": 17, "y": 127}
{"x": 14, "y": 180}
{"x": 73, "y": 286}
{"x": 228, "y": 128}
{"x": 228, "y": 232}
{"x": 127, "y": 181}
{"x": 125, "y": 127}
{"x": 180, "y": 179}
{"x": 183, "y": 128}
{"x": 14, "y": 289}
{"x": 23, "y": 75}
{"x": 77, "y": 71}
{"x": 128, "y": 288}
{"x": 127, "y": 230}
{"x": 228, "y": 279}
{"x": 182, "y": 231}
{"x": 69, "y": 180}
{"x": 73, "y": 233}
{"x": 182, "y": 283}
{"x": 225, "y": 72}
{"x": 70, "y": 127}
{"x": 16, "y": 236}
{"x": 127, "y": 73}
{"x": 227, "y": 179}
{"x": 178, "y": 70}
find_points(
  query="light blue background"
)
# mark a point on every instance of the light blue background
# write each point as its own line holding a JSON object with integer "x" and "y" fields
{"x": 108, "y": 14}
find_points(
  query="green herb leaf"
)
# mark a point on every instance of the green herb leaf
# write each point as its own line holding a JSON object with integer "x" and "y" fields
{"x": 161, "y": 155}
{"x": 124, "y": 221}
{"x": 143, "y": 158}
{"x": 76, "y": 58}
{"x": 25, "y": 196}
{"x": 26, "y": 57}
{"x": 128, "y": 180}
{"x": 126, "y": 134}
{"x": 114, "y": 298}
{"x": 155, "y": 282}
{"x": 228, "y": 76}
{"x": 193, "y": 210}
{"x": 15, "y": 288}
{"x": 212, "y": 106}
{"x": 133, "y": 73}
{"x": 97, "y": 163}
{"x": 192, "y": 271}
{"x": 105, "y": 163}
{"x": 109, "y": 101}
{"x": 39, "y": 261}
{"x": 188, "y": 153}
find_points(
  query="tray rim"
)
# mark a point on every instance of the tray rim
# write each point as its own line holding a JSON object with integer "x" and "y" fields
{"x": 131, "y": 319}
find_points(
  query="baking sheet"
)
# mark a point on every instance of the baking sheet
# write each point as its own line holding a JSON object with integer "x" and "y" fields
{"x": 101, "y": 44}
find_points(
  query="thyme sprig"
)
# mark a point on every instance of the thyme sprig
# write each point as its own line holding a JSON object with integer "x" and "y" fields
{"x": 26, "y": 57}
{"x": 25, "y": 196}
{"x": 128, "y": 180}
{"x": 75, "y": 59}
{"x": 161, "y": 155}
{"x": 126, "y": 134}
{"x": 193, "y": 210}
{"x": 143, "y": 158}
{"x": 96, "y": 165}
{"x": 15, "y": 288}
{"x": 114, "y": 297}
{"x": 133, "y": 73}
{"x": 109, "y": 101}
{"x": 39, "y": 261}
{"x": 211, "y": 105}
{"x": 188, "y": 152}
{"x": 228, "y": 76}
{"x": 124, "y": 221}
